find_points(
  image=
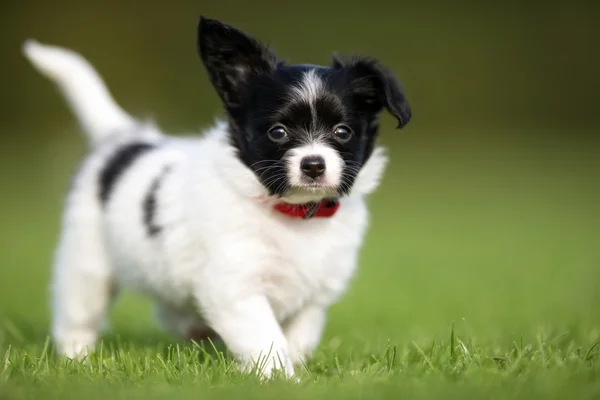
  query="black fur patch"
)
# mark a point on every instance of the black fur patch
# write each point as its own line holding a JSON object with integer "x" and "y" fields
{"x": 117, "y": 164}
{"x": 150, "y": 202}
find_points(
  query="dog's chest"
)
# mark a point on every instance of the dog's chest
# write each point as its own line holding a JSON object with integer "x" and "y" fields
{"x": 309, "y": 265}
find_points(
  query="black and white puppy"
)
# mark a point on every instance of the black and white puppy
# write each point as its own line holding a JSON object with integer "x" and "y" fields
{"x": 251, "y": 231}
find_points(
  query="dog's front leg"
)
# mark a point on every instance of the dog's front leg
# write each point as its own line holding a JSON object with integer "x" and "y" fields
{"x": 250, "y": 331}
{"x": 303, "y": 332}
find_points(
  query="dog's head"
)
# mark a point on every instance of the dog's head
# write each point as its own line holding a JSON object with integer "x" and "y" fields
{"x": 304, "y": 130}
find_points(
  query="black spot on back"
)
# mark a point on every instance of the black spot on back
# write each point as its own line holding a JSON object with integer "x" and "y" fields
{"x": 117, "y": 164}
{"x": 150, "y": 202}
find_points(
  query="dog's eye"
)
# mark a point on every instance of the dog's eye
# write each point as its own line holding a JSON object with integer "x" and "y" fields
{"x": 342, "y": 133}
{"x": 278, "y": 134}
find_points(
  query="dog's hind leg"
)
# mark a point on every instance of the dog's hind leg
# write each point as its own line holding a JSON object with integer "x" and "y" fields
{"x": 83, "y": 285}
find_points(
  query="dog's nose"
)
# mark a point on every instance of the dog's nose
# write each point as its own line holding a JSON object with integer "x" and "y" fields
{"x": 313, "y": 166}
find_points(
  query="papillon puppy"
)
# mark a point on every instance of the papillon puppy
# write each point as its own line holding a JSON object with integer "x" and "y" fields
{"x": 247, "y": 233}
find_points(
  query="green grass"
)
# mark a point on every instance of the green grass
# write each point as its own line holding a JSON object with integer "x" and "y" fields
{"x": 479, "y": 278}
{"x": 555, "y": 367}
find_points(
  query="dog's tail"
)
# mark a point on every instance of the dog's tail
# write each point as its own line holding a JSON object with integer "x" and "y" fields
{"x": 83, "y": 88}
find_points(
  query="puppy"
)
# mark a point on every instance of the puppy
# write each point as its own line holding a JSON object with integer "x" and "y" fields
{"x": 251, "y": 231}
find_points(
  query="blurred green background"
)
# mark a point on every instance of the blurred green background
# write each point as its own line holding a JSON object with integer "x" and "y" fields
{"x": 489, "y": 214}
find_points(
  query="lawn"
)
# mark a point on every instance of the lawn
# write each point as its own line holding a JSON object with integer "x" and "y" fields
{"x": 479, "y": 278}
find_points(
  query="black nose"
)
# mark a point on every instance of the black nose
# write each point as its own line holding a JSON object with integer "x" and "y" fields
{"x": 313, "y": 166}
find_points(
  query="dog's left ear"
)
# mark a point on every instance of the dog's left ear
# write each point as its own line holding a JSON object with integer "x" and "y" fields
{"x": 375, "y": 87}
{"x": 231, "y": 57}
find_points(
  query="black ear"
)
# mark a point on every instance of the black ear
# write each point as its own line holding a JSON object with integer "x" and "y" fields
{"x": 231, "y": 57}
{"x": 375, "y": 87}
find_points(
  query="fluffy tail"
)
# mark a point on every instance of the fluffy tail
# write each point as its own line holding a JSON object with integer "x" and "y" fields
{"x": 83, "y": 88}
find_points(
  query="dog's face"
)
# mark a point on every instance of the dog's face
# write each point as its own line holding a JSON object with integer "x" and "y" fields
{"x": 305, "y": 131}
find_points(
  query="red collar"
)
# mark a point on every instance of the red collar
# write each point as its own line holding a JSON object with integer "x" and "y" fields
{"x": 324, "y": 209}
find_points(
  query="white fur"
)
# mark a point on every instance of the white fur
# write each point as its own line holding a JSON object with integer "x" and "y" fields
{"x": 308, "y": 91}
{"x": 262, "y": 280}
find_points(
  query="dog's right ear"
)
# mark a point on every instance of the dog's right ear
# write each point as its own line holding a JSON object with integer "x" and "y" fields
{"x": 231, "y": 58}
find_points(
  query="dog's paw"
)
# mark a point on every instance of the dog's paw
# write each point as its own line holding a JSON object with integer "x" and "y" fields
{"x": 75, "y": 350}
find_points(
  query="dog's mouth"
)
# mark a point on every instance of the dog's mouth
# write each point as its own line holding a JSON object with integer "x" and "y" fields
{"x": 313, "y": 183}
{"x": 309, "y": 192}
